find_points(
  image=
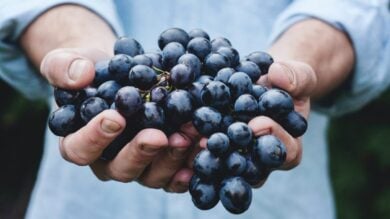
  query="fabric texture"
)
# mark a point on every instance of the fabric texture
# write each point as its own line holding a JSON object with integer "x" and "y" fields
{"x": 15, "y": 17}
{"x": 367, "y": 23}
{"x": 64, "y": 190}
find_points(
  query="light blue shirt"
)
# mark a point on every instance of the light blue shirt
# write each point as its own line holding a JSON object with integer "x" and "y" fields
{"x": 64, "y": 190}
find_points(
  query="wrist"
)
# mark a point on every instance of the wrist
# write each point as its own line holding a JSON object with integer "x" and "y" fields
{"x": 66, "y": 26}
{"x": 327, "y": 50}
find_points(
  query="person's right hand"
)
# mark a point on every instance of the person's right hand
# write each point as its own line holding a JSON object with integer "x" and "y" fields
{"x": 151, "y": 158}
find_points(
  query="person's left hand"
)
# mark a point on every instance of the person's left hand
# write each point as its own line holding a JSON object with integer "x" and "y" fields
{"x": 299, "y": 80}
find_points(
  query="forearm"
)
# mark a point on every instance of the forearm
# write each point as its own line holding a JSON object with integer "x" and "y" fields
{"x": 327, "y": 50}
{"x": 66, "y": 26}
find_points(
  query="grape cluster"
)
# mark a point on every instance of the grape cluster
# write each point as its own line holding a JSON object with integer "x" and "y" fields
{"x": 191, "y": 78}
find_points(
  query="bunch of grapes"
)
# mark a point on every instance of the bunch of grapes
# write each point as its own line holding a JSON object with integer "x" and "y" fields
{"x": 190, "y": 79}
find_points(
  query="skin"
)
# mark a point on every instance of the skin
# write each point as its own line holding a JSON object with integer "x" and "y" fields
{"x": 311, "y": 59}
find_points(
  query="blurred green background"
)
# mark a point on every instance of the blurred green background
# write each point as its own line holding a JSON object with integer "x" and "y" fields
{"x": 359, "y": 149}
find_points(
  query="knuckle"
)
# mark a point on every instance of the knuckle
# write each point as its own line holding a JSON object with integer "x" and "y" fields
{"x": 153, "y": 185}
{"x": 294, "y": 158}
{"x": 78, "y": 158}
{"x": 177, "y": 154}
{"x": 151, "y": 181}
{"x": 148, "y": 150}
{"x": 95, "y": 140}
{"x": 122, "y": 177}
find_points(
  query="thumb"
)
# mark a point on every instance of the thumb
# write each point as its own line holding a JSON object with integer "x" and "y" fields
{"x": 71, "y": 68}
{"x": 297, "y": 78}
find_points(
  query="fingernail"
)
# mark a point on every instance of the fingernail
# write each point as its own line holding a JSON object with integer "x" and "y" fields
{"x": 281, "y": 68}
{"x": 78, "y": 68}
{"x": 110, "y": 126}
{"x": 289, "y": 73}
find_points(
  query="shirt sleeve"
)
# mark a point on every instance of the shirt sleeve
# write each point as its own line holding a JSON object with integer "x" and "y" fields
{"x": 15, "y": 16}
{"x": 367, "y": 23}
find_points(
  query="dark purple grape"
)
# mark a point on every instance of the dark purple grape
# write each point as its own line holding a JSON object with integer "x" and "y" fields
{"x": 142, "y": 60}
{"x": 262, "y": 59}
{"x": 171, "y": 54}
{"x": 239, "y": 84}
{"x": 231, "y": 53}
{"x": 119, "y": 67}
{"x": 91, "y": 107}
{"x": 218, "y": 144}
{"x": 219, "y": 42}
{"x": 207, "y": 120}
{"x": 181, "y": 76}
{"x": 197, "y": 32}
{"x": 108, "y": 90}
{"x": 235, "y": 164}
{"x": 216, "y": 94}
{"x": 200, "y": 47}
{"x": 204, "y": 195}
{"x": 65, "y": 120}
{"x": 89, "y": 92}
{"x": 250, "y": 68}
{"x": 254, "y": 175}
{"x": 158, "y": 94}
{"x": 207, "y": 166}
{"x": 240, "y": 135}
{"x": 195, "y": 90}
{"x": 173, "y": 35}
{"x": 142, "y": 77}
{"x": 128, "y": 46}
{"x": 293, "y": 123}
{"x": 215, "y": 62}
{"x": 179, "y": 106}
{"x": 66, "y": 97}
{"x": 276, "y": 103}
{"x": 246, "y": 108}
{"x": 156, "y": 59}
{"x": 169, "y": 129}
{"x": 205, "y": 79}
{"x": 128, "y": 101}
{"x": 152, "y": 116}
{"x": 258, "y": 90}
{"x": 224, "y": 74}
{"x": 268, "y": 151}
{"x": 101, "y": 73}
{"x": 192, "y": 62}
{"x": 195, "y": 179}
{"x": 227, "y": 120}
{"x": 235, "y": 195}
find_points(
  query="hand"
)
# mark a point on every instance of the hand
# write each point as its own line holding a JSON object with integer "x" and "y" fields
{"x": 151, "y": 158}
{"x": 299, "y": 80}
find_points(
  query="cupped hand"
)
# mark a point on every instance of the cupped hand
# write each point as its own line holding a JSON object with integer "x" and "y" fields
{"x": 299, "y": 80}
{"x": 150, "y": 158}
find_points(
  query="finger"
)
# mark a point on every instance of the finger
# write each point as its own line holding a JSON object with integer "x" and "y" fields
{"x": 187, "y": 135}
{"x": 264, "y": 125}
{"x": 170, "y": 160}
{"x": 162, "y": 169}
{"x": 132, "y": 160}
{"x": 180, "y": 181}
{"x": 86, "y": 145}
{"x": 203, "y": 143}
{"x": 71, "y": 68}
{"x": 296, "y": 78}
